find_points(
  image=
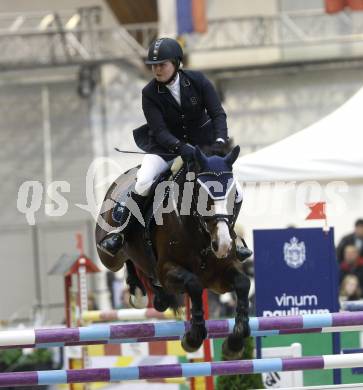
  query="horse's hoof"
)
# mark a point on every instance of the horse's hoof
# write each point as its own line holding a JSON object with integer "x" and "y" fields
{"x": 139, "y": 300}
{"x": 162, "y": 299}
{"x": 232, "y": 354}
{"x": 160, "y": 304}
{"x": 190, "y": 345}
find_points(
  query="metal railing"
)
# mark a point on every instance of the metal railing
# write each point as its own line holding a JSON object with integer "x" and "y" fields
{"x": 287, "y": 29}
{"x": 67, "y": 37}
{"x": 78, "y": 36}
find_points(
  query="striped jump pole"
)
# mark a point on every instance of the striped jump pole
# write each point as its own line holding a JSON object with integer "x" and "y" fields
{"x": 126, "y": 315}
{"x": 352, "y": 305}
{"x": 132, "y": 333}
{"x": 187, "y": 370}
{"x": 169, "y": 338}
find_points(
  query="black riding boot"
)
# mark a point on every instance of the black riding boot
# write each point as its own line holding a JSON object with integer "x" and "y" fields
{"x": 115, "y": 239}
{"x": 242, "y": 252}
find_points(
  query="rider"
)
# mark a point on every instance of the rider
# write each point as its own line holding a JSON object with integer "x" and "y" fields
{"x": 181, "y": 109}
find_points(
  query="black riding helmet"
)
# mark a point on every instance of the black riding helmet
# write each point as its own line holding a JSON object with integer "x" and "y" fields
{"x": 164, "y": 49}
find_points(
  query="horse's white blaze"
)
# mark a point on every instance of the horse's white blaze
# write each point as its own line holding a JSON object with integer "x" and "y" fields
{"x": 224, "y": 239}
{"x": 221, "y": 206}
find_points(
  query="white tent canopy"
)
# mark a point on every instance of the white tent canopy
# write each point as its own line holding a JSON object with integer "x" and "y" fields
{"x": 330, "y": 149}
{"x": 323, "y": 162}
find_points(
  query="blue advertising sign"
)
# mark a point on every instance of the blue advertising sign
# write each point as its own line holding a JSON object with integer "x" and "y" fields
{"x": 296, "y": 272}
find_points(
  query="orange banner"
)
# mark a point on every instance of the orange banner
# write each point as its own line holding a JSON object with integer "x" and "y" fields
{"x": 199, "y": 16}
{"x": 355, "y": 5}
{"x": 333, "y": 6}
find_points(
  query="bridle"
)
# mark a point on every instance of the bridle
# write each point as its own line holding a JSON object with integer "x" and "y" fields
{"x": 203, "y": 220}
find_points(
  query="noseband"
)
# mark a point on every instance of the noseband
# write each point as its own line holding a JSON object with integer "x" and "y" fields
{"x": 203, "y": 220}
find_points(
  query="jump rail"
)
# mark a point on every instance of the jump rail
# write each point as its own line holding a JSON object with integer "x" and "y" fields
{"x": 132, "y": 333}
{"x": 352, "y": 305}
{"x": 126, "y": 315}
{"x": 352, "y": 386}
{"x": 186, "y": 370}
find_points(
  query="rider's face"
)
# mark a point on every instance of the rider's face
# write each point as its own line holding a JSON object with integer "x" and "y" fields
{"x": 162, "y": 72}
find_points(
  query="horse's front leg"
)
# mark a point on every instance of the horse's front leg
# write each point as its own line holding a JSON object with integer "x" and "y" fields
{"x": 234, "y": 344}
{"x": 185, "y": 281}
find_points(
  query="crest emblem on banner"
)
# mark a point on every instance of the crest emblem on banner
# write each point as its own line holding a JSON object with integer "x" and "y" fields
{"x": 294, "y": 253}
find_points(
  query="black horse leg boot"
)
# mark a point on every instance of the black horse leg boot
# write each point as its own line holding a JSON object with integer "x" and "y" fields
{"x": 131, "y": 212}
{"x": 242, "y": 252}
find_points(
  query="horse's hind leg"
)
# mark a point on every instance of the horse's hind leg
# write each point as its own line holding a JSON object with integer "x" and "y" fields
{"x": 138, "y": 293}
{"x": 163, "y": 300}
{"x": 138, "y": 296}
{"x": 179, "y": 279}
{"x": 234, "y": 344}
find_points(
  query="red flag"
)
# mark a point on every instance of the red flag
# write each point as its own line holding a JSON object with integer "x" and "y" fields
{"x": 317, "y": 210}
{"x": 333, "y": 6}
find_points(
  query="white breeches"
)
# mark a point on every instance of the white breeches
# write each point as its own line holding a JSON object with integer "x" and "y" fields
{"x": 152, "y": 166}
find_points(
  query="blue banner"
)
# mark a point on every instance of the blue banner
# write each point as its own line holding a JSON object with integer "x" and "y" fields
{"x": 184, "y": 16}
{"x": 296, "y": 272}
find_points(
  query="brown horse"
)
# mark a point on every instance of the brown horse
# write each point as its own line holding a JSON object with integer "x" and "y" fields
{"x": 191, "y": 238}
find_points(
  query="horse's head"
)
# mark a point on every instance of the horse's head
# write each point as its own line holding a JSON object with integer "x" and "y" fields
{"x": 215, "y": 192}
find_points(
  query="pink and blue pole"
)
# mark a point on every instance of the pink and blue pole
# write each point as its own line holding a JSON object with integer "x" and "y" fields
{"x": 132, "y": 333}
{"x": 353, "y": 305}
{"x": 186, "y": 370}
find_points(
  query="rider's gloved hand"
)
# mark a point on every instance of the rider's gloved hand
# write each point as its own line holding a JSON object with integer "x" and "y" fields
{"x": 186, "y": 152}
{"x": 218, "y": 147}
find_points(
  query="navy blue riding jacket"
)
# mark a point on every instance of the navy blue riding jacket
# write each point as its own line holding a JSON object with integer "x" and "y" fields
{"x": 199, "y": 120}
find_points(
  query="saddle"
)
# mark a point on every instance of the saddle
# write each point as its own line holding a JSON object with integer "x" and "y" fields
{"x": 170, "y": 175}
{"x": 149, "y": 210}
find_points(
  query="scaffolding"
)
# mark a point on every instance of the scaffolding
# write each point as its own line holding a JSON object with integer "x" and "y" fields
{"x": 77, "y": 37}
{"x": 286, "y": 29}
{"x": 69, "y": 37}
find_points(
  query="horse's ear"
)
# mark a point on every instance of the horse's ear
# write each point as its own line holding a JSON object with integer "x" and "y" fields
{"x": 200, "y": 156}
{"x": 232, "y": 155}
